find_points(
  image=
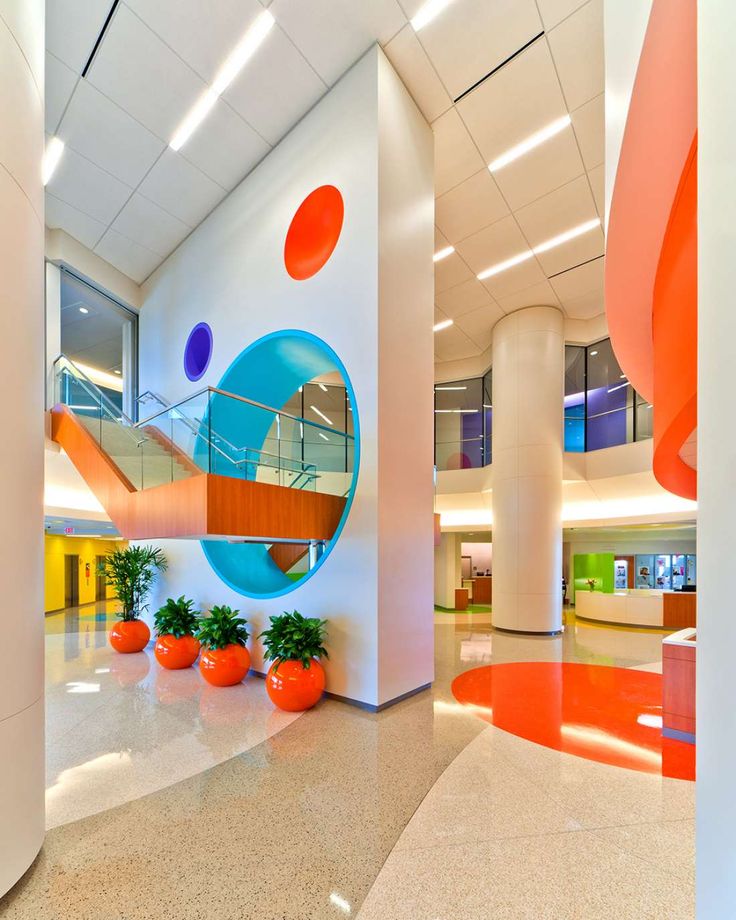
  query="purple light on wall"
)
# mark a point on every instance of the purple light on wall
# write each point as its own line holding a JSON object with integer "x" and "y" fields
{"x": 198, "y": 351}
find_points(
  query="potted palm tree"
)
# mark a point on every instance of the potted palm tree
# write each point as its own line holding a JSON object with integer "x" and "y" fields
{"x": 131, "y": 572}
{"x": 223, "y": 634}
{"x": 176, "y": 625}
{"x": 296, "y": 680}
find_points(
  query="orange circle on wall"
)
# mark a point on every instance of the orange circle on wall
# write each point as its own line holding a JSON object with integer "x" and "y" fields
{"x": 313, "y": 232}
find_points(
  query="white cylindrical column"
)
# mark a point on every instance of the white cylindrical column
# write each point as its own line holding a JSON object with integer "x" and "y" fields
{"x": 716, "y": 638}
{"x": 528, "y": 374}
{"x": 447, "y": 571}
{"x": 21, "y": 459}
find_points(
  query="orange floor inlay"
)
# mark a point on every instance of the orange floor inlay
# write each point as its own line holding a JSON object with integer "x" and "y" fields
{"x": 611, "y": 715}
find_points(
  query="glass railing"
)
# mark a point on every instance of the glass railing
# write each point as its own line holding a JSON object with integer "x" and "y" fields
{"x": 211, "y": 431}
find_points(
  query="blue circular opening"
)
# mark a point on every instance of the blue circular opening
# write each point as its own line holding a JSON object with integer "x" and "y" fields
{"x": 269, "y": 372}
{"x": 198, "y": 351}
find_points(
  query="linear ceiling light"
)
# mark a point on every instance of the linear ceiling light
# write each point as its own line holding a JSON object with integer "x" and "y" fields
{"x": 426, "y": 13}
{"x": 445, "y": 324}
{"x": 530, "y": 143}
{"x": 447, "y": 389}
{"x": 443, "y": 253}
{"x": 320, "y": 414}
{"x": 51, "y": 158}
{"x": 236, "y": 60}
{"x": 538, "y": 250}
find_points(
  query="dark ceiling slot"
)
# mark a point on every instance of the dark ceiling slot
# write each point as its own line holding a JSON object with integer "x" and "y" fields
{"x": 103, "y": 30}
{"x": 502, "y": 64}
{"x": 579, "y": 265}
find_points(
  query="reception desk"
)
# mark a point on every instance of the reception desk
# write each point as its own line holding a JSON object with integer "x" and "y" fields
{"x": 678, "y": 685}
{"x": 638, "y": 607}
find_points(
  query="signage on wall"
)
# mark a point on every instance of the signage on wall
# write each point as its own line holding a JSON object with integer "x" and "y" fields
{"x": 68, "y": 531}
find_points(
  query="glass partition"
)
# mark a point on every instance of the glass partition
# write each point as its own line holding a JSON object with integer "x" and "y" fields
{"x": 574, "y": 411}
{"x": 460, "y": 440}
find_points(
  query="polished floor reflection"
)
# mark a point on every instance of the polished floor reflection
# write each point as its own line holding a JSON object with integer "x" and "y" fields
{"x": 422, "y": 811}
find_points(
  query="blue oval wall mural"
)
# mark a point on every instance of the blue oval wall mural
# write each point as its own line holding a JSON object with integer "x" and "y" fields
{"x": 248, "y": 441}
{"x": 198, "y": 351}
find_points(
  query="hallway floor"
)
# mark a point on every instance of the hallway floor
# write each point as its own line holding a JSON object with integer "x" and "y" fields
{"x": 165, "y": 800}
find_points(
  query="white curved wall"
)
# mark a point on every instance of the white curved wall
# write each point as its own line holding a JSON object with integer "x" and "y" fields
{"x": 528, "y": 368}
{"x": 21, "y": 460}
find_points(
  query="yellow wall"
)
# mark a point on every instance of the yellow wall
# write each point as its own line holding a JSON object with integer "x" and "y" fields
{"x": 88, "y": 549}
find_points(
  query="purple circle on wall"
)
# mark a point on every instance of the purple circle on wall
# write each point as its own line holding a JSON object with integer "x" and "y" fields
{"x": 198, "y": 351}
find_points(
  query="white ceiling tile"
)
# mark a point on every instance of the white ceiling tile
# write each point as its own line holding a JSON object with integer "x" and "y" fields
{"x": 455, "y": 154}
{"x": 440, "y": 242}
{"x": 519, "y": 100}
{"x": 554, "y": 11}
{"x": 577, "y": 48}
{"x": 439, "y": 316}
{"x": 81, "y": 226}
{"x": 557, "y": 212}
{"x": 135, "y": 69}
{"x": 72, "y": 27}
{"x": 417, "y": 73}
{"x": 275, "y": 89}
{"x": 585, "y": 247}
{"x": 129, "y": 257}
{"x": 333, "y": 34}
{"x": 449, "y": 272}
{"x": 469, "y": 207}
{"x": 200, "y": 33}
{"x": 597, "y": 178}
{"x": 452, "y": 345}
{"x": 463, "y": 298}
{"x": 477, "y": 324}
{"x": 579, "y": 281}
{"x": 105, "y": 134}
{"x": 149, "y": 225}
{"x": 226, "y": 148}
{"x": 537, "y": 295}
{"x": 493, "y": 244}
{"x": 80, "y": 183}
{"x": 471, "y": 38}
{"x": 60, "y": 83}
{"x": 549, "y": 166}
{"x": 585, "y": 307}
{"x": 181, "y": 189}
{"x": 589, "y": 122}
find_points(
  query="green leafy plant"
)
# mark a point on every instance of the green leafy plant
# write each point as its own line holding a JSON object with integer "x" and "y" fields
{"x": 131, "y": 572}
{"x": 222, "y": 627}
{"x": 293, "y": 637}
{"x": 177, "y": 618}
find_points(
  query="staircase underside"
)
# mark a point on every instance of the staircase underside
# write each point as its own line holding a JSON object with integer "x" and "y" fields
{"x": 201, "y": 506}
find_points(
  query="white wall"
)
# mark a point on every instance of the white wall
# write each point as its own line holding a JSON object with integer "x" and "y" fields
{"x": 481, "y": 555}
{"x": 716, "y": 714}
{"x": 21, "y": 462}
{"x": 371, "y": 302}
{"x": 447, "y": 573}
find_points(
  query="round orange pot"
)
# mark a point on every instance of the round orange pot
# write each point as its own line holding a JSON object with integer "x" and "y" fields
{"x": 224, "y": 667}
{"x": 294, "y": 688}
{"x": 128, "y": 636}
{"x": 173, "y": 653}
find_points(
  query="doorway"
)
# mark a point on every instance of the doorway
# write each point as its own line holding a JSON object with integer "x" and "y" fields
{"x": 100, "y": 579}
{"x": 71, "y": 581}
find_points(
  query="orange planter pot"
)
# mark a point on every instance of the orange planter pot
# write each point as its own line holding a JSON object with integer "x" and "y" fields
{"x": 128, "y": 636}
{"x": 224, "y": 667}
{"x": 293, "y": 687}
{"x": 174, "y": 654}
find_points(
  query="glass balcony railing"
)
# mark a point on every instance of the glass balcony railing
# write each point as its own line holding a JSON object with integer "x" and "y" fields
{"x": 211, "y": 431}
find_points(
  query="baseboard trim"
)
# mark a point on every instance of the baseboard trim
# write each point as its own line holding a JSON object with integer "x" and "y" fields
{"x": 359, "y": 704}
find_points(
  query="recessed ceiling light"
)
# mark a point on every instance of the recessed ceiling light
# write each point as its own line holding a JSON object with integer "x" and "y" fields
{"x": 593, "y": 354}
{"x": 534, "y": 140}
{"x": 443, "y": 253}
{"x": 323, "y": 387}
{"x": 118, "y": 373}
{"x": 234, "y": 63}
{"x": 542, "y": 247}
{"x": 446, "y": 389}
{"x": 51, "y": 158}
{"x": 429, "y": 11}
{"x": 445, "y": 324}
{"x": 83, "y": 310}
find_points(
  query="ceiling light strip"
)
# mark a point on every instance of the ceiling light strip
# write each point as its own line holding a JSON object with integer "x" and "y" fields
{"x": 541, "y": 248}
{"x": 51, "y": 157}
{"x": 234, "y": 63}
{"x": 444, "y": 324}
{"x": 427, "y": 12}
{"x": 499, "y": 66}
{"x": 443, "y": 253}
{"x": 103, "y": 32}
{"x": 530, "y": 143}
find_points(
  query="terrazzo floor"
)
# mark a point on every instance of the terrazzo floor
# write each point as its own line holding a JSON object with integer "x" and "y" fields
{"x": 422, "y": 811}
